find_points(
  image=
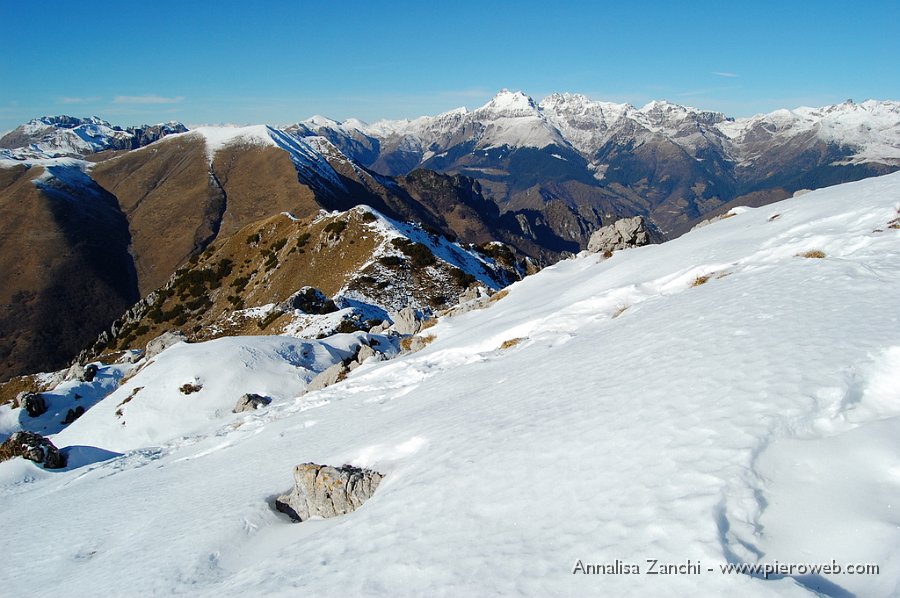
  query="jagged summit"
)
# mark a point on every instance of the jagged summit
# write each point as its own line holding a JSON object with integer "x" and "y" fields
{"x": 508, "y": 104}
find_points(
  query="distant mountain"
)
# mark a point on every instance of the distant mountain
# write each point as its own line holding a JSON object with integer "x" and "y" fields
{"x": 57, "y": 136}
{"x": 596, "y": 161}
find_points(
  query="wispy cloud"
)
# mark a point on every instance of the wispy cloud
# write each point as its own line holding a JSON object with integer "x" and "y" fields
{"x": 148, "y": 99}
{"x": 68, "y": 100}
{"x": 725, "y": 74}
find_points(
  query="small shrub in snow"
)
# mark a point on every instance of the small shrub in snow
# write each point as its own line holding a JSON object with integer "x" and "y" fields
{"x": 813, "y": 253}
{"x": 415, "y": 343}
{"x": 700, "y": 280}
{"x": 189, "y": 388}
{"x": 498, "y": 296}
{"x": 510, "y": 343}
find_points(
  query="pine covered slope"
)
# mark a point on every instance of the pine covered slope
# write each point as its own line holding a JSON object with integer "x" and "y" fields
{"x": 727, "y": 397}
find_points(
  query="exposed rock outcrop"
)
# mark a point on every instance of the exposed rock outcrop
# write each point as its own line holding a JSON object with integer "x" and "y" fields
{"x": 326, "y": 491}
{"x": 328, "y": 377}
{"x": 163, "y": 342}
{"x": 624, "y": 233}
{"x": 407, "y": 321}
{"x": 33, "y": 447}
{"x": 250, "y": 402}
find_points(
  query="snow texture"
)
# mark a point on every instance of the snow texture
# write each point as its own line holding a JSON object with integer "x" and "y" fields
{"x": 718, "y": 398}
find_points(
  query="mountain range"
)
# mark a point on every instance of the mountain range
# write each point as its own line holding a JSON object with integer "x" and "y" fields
{"x": 596, "y": 160}
{"x": 96, "y": 217}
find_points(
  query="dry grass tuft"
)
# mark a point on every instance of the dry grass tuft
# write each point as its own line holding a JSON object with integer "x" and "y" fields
{"x": 119, "y": 412}
{"x": 429, "y": 323}
{"x": 701, "y": 280}
{"x": 510, "y": 343}
{"x": 409, "y": 343}
{"x": 620, "y": 309}
{"x": 498, "y": 296}
{"x": 812, "y": 253}
{"x": 10, "y": 390}
{"x": 189, "y": 388}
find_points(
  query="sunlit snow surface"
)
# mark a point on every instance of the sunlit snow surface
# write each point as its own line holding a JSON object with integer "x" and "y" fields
{"x": 751, "y": 418}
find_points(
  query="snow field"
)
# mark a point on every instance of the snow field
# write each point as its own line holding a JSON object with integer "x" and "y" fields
{"x": 747, "y": 418}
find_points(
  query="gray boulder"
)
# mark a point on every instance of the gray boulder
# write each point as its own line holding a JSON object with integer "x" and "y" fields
{"x": 250, "y": 402}
{"x": 365, "y": 352}
{"x": 406, "y": 321}
{"x": 328, "y": 377}
{"x": 163, "y": 342}
{"x": 33, "y": 447}
{"x": 326, "y": 491}
{"x": 75, "y": 372}
{"x": 623, "y": 234}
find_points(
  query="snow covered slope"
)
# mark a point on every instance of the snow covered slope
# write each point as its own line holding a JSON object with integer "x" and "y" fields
{"x": 719, "y": 399}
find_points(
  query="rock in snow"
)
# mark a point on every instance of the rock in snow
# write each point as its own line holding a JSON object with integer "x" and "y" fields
{"x": 34, "y": 404}
{"x": 33, "y": 447}
{"x": 330, "y": 376}
{"x": 250, "y": 402}
{"x": 624, "y": 233}
{"x": 163, "y": 342}
{"x": 407, "y": 321}
{"x": 326, "y": 491}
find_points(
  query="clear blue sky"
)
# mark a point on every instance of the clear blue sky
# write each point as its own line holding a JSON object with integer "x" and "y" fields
{"x": 282, "y": 61}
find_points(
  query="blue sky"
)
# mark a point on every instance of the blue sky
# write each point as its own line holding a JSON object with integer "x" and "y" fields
{"x": 280, "y": 62}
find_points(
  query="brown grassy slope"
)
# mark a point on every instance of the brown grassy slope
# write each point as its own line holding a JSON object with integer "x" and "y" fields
{"x": 65, "y": 269}
{"x": 265, "y": 262}
{"x": 259, "y": 182}
{"x": 171, "y": 204}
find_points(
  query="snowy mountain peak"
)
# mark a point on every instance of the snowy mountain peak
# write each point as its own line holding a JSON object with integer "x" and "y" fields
{"x": 509, "y": 104}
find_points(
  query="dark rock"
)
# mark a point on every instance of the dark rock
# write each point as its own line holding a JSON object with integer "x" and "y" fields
{"x": 73, "y": 414}
{"x": 34, "y": 404}
{"x": 250, "y": 402}
{"x": 309, "y": 300}
{"x": 90, "y": 371}
{"x": 33, "y": 447}
{"x": 326, "y": 491}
